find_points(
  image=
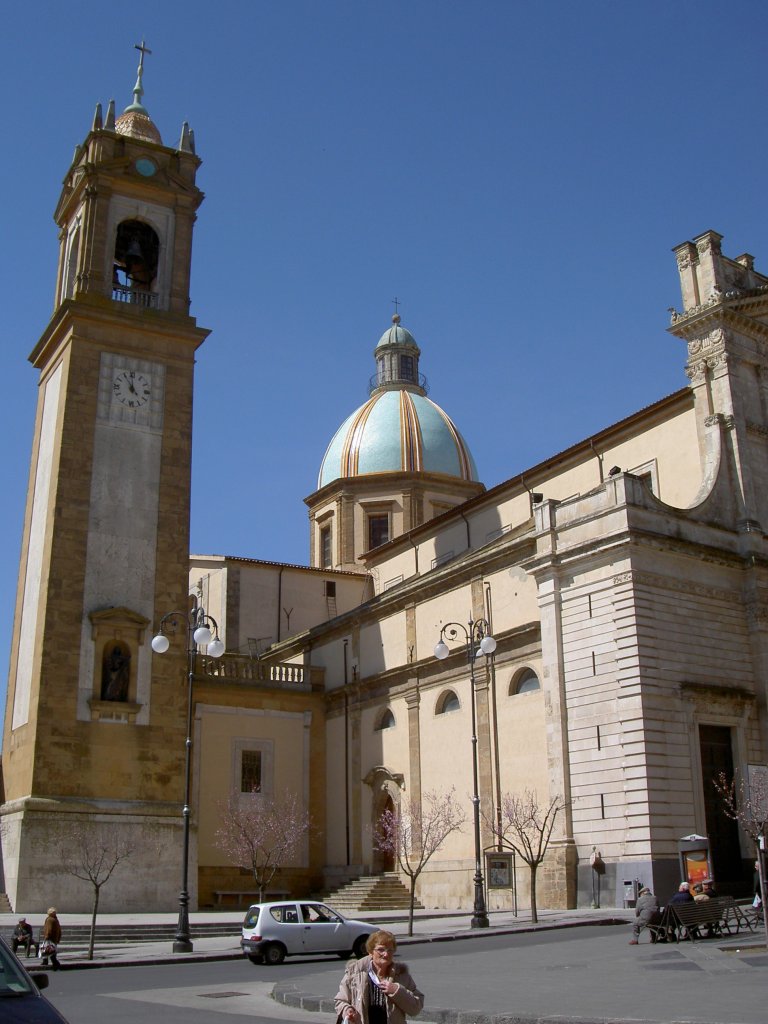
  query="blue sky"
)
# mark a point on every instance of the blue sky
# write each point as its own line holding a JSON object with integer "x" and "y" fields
{"x": 515, "y": 173}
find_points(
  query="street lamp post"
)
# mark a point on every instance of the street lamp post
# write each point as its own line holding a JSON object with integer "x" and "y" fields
{"x": 478, "y": 640}
{"x": 202, "y": 630}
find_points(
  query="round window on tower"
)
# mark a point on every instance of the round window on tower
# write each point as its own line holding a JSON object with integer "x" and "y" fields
{"x": 146, "y": 167}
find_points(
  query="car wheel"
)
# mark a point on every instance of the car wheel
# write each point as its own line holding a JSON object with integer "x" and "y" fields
{"x": 359, "y": 949}
{"x": 256, "y": 958}
{"x": 274, "y": 954}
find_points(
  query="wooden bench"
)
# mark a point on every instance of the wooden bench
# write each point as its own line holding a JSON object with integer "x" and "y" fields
{"x": 248, "y": 896}
{"x": 717, "y": 915}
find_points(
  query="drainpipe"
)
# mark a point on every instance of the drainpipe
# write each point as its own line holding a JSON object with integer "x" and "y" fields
{"x": 279, "y": 600}
{"x": 599, "y": 460}
{"x": 415, "y": 553}
{"x": 469, "y": 542}
{"x": 496, "y": 767}
{"x": 346, "y": 751}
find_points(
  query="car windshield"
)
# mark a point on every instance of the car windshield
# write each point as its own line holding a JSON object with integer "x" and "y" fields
{"x": 13, "y": 980}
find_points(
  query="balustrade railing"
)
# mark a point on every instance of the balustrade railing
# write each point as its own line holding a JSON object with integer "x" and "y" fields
{"x": 243, "y": 668}
{"x": 134, "y": 296}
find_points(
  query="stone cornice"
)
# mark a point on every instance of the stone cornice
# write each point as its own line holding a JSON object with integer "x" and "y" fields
{"x": 659, "y": 582}
{"x": 399, "y": 681}
{"x": 718, "y": 311}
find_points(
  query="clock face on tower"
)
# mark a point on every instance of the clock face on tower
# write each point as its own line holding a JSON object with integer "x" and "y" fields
{"x": 131, "y": 388}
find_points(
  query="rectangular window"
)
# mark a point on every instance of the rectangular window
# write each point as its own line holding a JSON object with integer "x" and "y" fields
{"x": 330, "y": 588}
{"x": 326, "y": 557}
{"x": 250, "y": 771}
{"x": 406, "y": 368}
{"x": 378, "y": 530}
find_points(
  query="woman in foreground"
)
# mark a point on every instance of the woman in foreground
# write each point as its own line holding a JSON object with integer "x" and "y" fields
{"x": 377, "y": 989}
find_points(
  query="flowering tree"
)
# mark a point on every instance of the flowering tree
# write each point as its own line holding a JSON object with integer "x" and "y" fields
{"x": 526, "y": 825}
{"x": 262, "y": 835}
{"x": 92, "y": 853}
{"x": 746, "y": 801}
{"x": 414, "y": 831}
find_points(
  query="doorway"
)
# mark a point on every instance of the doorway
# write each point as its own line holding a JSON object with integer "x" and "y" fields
{"x": 383, "y": 860}
{"x": 716, "y": 749}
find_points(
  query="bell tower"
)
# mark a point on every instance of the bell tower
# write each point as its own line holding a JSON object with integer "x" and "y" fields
{"x": 94, "y": 728}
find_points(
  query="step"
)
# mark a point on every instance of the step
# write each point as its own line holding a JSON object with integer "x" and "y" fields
{"x": 79, "y": 934}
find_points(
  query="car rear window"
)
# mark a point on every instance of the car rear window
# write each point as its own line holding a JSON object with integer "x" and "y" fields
{"x": 251, "y": 918}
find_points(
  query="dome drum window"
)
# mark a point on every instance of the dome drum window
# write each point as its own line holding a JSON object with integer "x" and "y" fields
{"x": 378, "y": 529}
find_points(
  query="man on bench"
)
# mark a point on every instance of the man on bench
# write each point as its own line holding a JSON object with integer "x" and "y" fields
{"x": 22, "y": 936}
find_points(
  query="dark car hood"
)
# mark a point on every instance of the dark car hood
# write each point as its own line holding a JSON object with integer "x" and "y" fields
{"x": 29, "y": 1009}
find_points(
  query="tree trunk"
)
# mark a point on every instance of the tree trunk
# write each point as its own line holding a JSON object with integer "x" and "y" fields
{"x": 534, "y": 914}
{"x": 411, "y": 903}
{"x": 92, "y": 940}
{"x": 762, "y": 886}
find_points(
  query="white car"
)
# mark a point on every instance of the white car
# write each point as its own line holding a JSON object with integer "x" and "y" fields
{"x": 273, "y": 931}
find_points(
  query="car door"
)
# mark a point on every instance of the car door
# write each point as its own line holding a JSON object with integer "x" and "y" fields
{"x": 285, "y": 926}
{"x": 323, "y": 930}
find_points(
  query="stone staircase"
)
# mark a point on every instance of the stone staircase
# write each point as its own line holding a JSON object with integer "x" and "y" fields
{"x": 5, "y": 904}
{"x": 372, "y": 892}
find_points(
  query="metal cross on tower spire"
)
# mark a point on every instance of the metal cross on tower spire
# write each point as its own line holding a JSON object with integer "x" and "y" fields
{"x": 143, "y": 48}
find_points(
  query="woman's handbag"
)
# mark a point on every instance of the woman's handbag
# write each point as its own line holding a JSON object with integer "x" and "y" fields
{"x": 47, "y": 948}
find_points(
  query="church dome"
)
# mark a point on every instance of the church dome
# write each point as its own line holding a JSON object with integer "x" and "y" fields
{"x": 137, "y": 125}
{"x": 399, "y": 429}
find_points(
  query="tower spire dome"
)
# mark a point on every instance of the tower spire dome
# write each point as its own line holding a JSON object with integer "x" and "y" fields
{"x": 135, "y": 120}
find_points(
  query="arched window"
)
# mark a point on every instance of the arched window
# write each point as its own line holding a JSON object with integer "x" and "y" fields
{"x": 526, "y": 682}
{"x": 447, "y": 701}
{"x": 386, "y": 720}
{"x": 137, "y": 253}
{"x": 70, "y": 267}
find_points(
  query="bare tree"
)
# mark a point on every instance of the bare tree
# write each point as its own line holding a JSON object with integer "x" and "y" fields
{"x": 415, "y": 831}
{"x": 262, "y": 835}
{"x": 525, "y": 824}
{"x": 92, "y": 852}
{"x": 746, "y": 801}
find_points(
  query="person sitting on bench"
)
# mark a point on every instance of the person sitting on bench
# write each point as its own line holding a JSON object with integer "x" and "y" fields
{"x": 22, "y": 936}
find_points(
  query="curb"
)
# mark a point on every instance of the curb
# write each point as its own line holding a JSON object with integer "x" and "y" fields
{"x": 289, "y": 995}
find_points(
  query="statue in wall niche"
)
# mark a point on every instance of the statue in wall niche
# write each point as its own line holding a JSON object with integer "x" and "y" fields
{"x": 116, "y": 673}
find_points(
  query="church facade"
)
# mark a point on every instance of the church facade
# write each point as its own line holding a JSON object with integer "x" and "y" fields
{"x": 624, "y": 581}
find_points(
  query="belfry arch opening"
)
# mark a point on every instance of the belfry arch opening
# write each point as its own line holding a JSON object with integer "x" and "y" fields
{"x": 136, "y": 257}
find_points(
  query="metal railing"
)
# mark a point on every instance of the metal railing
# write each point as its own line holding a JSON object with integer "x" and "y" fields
{"x": 380, "y": 380}
{"x": 134, "y": 296}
